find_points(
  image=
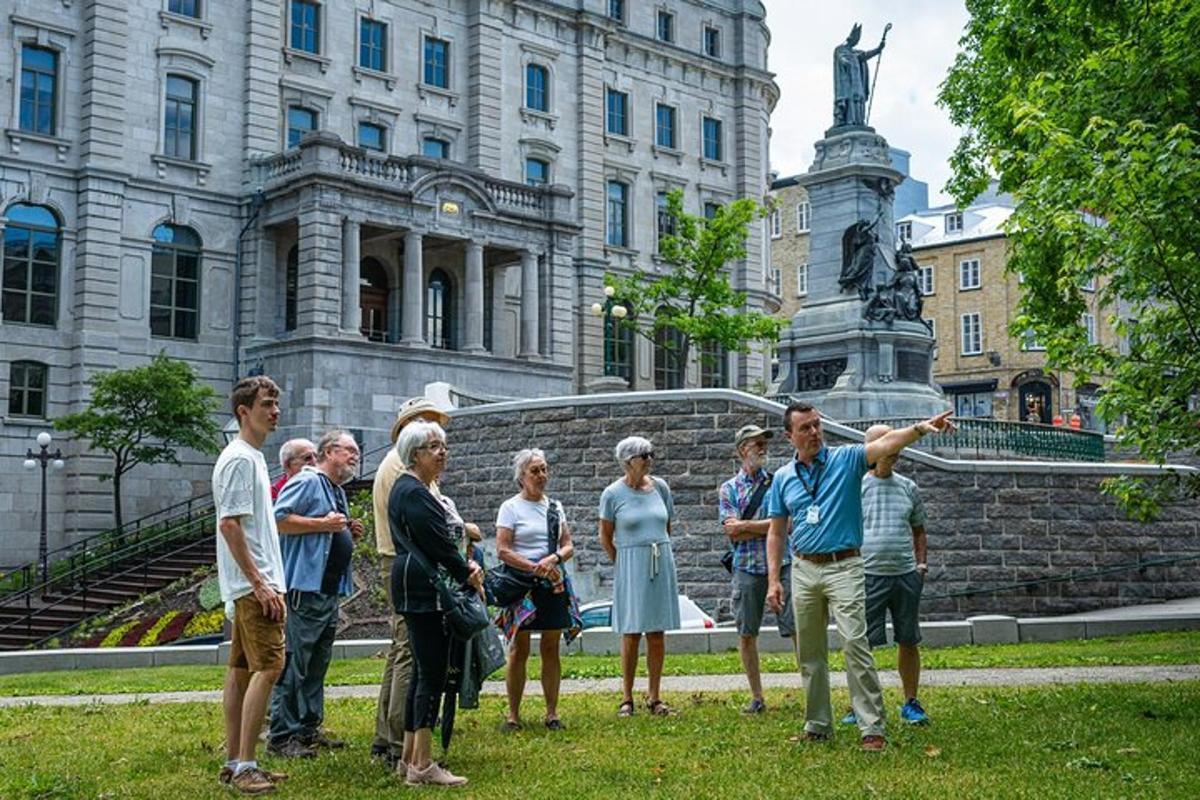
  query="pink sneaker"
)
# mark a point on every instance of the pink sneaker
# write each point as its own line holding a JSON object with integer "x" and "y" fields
{"x": 433, "y": 775}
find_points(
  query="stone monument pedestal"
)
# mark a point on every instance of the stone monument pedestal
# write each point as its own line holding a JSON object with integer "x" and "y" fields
{"x": 848, "y": 365}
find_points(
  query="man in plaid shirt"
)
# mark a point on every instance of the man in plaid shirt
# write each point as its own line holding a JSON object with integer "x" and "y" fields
{"x": 749, "y": 540}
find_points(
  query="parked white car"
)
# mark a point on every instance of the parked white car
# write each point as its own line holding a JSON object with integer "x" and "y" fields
{"x": 599, "y": 615}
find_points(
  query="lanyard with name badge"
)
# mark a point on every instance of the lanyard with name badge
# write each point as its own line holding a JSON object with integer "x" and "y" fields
{"x": 813, "y": 515}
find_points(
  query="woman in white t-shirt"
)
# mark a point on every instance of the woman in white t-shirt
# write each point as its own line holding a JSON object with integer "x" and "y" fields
{"x": 524, "y": 543}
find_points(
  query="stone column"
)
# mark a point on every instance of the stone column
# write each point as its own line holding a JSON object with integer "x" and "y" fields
{"x": 414, "y": 291}
{"x": 529, "y": 305}
{"x": 473, "y": 340}
{"x": 502, "y": 345}
{"x": 351, "y": 261}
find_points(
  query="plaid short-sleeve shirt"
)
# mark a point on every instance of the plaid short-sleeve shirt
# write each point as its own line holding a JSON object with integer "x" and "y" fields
{"x": 750, "y": 555}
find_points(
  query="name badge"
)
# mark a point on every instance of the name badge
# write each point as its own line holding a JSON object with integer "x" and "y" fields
{"x": 814, "y": 514}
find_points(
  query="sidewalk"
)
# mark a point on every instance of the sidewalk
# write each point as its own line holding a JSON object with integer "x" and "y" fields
{"x": 703, "y": 683}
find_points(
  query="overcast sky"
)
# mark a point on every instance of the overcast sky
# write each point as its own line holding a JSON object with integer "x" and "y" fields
{"x": 920, "y": 48}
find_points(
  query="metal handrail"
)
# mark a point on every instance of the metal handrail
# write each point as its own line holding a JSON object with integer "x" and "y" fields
{"x": 979, "y": 437}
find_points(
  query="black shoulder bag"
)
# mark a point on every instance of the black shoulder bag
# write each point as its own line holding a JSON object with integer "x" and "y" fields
{"x": 751, "y": 509}
{"x": 466, "y": 614}
{"x": 504, "y": 584}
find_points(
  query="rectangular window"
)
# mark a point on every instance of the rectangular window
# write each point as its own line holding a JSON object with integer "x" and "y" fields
{"x": 932, "y": 325}
{"x": 306, "y": 26}
{"x": 803, "y": 216}
{"x": 536, "y": 96}
{"x": 711, "y": 132}
{"x": 664, "y": 126}
{"x": 926, "y": 277}
{"x": 537, "y": 172}
{"x": 973, "y": 404}
{"x": 777, "y": 282}
{"x": 39, "y": 90}
{"x": 668, "y": 369}
{"x": 665, "y": 223}
{"x": 616, "y": 10}
{"x": 1089, "y": 285}
{"x": 903, "y": 232}
{"x": 618, "y": 214}
{"x": 714, "y": 366}
{"x": 954, "y": 222}
{"x": 1031, "y": 341}
{"x": 436, "y": 62}
{"x": 972, "y": 335}
{"x": 435, "y": 148}
{"x": 372, "y": 136}
{"x": 27, "y": 389}
{"x": 1089, "y": 325}
{"x": 666, "y": 26}
{"x": 712, "y": 41}
{"x": 802, "y": 280}
{"x": 179, "y": 118}
{"x": 372, "y": 45}
{"x": 710, "y": 210}
{"x": 187, "y": 8}
{"x": 968, "y": 274}
{"x": 776, "y": 224}
{"x": 300, "y": 122}
{"x": 617, "y": 112}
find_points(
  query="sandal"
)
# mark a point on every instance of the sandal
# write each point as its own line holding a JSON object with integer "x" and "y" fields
{"x": 625, "y": 709}
{"x": 510, "y": 726}
{"x": 659, "y": 709}
{"x": 555, "y": 724}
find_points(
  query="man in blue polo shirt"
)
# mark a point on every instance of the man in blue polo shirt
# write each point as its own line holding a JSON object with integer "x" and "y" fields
{"x": 821, "y": 492}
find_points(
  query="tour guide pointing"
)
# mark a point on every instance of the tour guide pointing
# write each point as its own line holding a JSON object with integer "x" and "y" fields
{"x": 821, "y": 491}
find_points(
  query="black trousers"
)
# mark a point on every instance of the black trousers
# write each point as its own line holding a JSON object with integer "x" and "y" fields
{"x": 430, "y": 643}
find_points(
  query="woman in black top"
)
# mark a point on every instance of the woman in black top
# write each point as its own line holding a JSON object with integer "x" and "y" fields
{"x": 419, "y": 520}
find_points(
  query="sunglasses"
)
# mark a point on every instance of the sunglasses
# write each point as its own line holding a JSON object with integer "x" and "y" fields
{"x": 645, "y": 456}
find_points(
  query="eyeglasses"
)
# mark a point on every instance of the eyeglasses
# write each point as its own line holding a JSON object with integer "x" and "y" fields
{"x": 308, "y": 458}
{"x": 645, "y": 456}
{"x": 435, "y": 447}
{"x": 351, "y": 450}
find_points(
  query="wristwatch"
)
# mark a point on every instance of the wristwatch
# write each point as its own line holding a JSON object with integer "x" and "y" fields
{"x": 558, "y": 556}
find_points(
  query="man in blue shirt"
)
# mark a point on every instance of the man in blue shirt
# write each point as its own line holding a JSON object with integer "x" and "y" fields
{"x": 316, "y": 537}
{"x": 821, "y": 492}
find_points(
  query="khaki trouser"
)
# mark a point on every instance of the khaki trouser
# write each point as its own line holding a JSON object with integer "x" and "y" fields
{"x": 818, "y": 590}
{"x": 397, "y": 671}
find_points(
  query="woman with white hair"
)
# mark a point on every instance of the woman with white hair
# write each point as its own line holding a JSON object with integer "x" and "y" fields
{"x": 423, "y": 539}
{"x": 635, "y": 525}
{"x": 533, "y": 538}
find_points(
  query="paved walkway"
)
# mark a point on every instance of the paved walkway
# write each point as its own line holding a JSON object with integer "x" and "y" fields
{"x": 705, "y": 683}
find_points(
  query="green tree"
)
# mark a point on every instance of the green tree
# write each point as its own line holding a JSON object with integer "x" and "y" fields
{"x": 693, "y": 304}
{"x": 1087, "y": 112}
{"x": 144, "y": 415}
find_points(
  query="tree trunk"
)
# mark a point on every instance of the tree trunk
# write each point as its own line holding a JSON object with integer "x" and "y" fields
{"x": 117, "y": 517}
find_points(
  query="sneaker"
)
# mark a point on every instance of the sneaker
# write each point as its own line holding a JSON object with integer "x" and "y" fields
{"x": 873, "y": 744}
{"x": 433, "y": 775}
{"x": 755, "y": 707}
{"x": 850, "y": 718}
{"x": 813, "y": 736}
{"x": 225, "y": 775}
{"x": 252, "y": 781}
{"x": 384, "y": 755}
{"x": 322, "y": 739}
{"x": 912, "y": 713}
{"x": 291, "y": 748}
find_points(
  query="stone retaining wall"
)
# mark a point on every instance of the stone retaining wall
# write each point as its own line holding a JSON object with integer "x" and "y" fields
{"x": 990, "y": 523}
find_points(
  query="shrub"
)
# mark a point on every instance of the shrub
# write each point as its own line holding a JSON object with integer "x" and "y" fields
{"x": 150, "y": 637}
{"x": 205, "y": 623}
{"x": 117, "y": 634}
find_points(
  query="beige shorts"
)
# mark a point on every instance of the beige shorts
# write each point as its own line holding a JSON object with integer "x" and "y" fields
{"x": 257, "y": 643}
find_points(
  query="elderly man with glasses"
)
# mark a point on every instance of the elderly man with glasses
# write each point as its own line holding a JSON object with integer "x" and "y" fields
{"x": 317, "y": 540}
{"x": 294, "y": 455}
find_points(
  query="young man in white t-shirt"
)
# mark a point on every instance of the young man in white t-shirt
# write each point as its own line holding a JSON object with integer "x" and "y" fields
{"x": 250, "y": 573}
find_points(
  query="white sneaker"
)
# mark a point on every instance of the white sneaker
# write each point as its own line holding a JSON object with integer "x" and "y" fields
{"x": 433, "y": 775}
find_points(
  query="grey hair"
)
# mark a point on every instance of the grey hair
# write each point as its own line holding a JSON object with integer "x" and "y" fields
{"x": 521, "y": 461}
{"x": 288, "y": 450}
{"x": 329, "y": 439}
{"x": 631, "y": 447}
{"x": 415, "y": 434}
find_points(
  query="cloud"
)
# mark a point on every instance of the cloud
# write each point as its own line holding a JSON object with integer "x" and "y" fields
{"x": 920, "y": 49}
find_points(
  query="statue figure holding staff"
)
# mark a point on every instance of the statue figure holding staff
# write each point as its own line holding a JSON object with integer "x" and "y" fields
{"x": 852, "y": 79}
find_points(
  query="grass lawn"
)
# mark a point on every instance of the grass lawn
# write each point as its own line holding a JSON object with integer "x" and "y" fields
{"x": 1147, "y": 648}
{"x": 1053, "y": 742}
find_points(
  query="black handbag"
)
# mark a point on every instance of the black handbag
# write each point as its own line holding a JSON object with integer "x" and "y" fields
{"x": 751, "y": 509}
{"x": 466, "y": 614}
{"x": 504, "y": 584}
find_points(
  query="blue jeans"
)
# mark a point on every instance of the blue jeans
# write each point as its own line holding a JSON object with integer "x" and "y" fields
{"x": 298, "y": 699}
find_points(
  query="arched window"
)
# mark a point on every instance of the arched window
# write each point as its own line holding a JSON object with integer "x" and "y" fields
{"x": 175, "y": 282}
{"x": 291, "y": 289}
{"x": 32, "y": 241}
{"x": 439, "y": 305}
{"x": 27, "y": 389}
{"x": 668, "y": 361}
{"x": 373, "y": 299}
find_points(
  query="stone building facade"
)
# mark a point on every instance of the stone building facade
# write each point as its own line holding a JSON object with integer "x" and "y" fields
{"x": 1004, "y": 537}
{"x": 971, "y": 300}
{"x": 356, "y": 198}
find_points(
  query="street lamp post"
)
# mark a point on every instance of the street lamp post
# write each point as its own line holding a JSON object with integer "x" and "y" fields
{"x": 610, "y": 310}
{"x": 43, "y": 457}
